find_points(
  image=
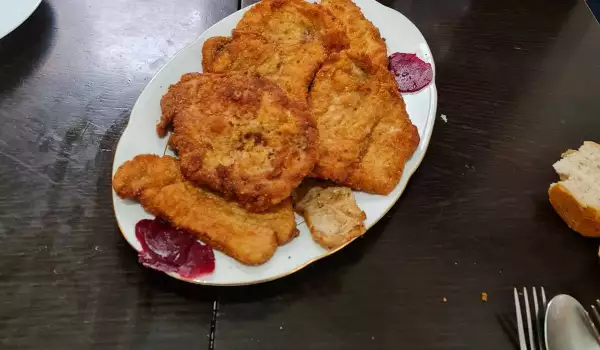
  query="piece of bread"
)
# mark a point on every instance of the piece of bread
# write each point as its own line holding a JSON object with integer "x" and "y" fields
{"x": 576, "y": 198}
{"x": 332, "y": 215}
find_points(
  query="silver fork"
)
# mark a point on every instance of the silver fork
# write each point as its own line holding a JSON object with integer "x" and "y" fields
{"x": 595, "y": 320}
{"x": 535, "y": 334}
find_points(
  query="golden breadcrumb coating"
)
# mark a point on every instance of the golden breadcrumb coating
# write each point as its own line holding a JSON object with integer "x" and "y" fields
{"x": 240, "y": 136}
{"x": 160, "y": 187}
{"x": 292, "y": 67}
{"x": 291, "y": 22}
{"x": 365, "y": 135}
{"x": 362, "y": 34}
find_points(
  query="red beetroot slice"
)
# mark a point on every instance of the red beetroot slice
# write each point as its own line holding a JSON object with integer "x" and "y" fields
{"x": 168, "y": 249}
{"x": 412, "y": 74}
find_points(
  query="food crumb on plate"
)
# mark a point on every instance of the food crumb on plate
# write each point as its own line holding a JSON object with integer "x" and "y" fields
{"x": 484, "y": 297}
{"x": 444, "y": 118}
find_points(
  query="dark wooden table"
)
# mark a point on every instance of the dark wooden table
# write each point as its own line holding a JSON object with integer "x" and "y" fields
{"x": 519, "y": 81}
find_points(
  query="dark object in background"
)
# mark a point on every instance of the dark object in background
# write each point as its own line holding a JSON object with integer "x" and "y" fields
{"x": 594, "y": 5}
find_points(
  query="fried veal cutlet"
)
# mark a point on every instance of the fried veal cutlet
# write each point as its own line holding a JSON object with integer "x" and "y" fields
{"x": 160, "y": 187}
{"x": 291, "y": 22}
{"x": 363, "y": 35}
{"x": 241, "y": 136}
{"x": 365, "y": 135}
{"x": 292, "y": 67}
{"x": 284, "y": 41}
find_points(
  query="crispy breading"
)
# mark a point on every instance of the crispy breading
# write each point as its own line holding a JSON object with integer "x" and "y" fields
{"x": 332, "y": 215}
{"x": 241, "y": 136}
{"x": 146, "y": 171}
{"x": 365, "y": 135}
{"x": 292, "y": 67}
{"x": 291, "y": 22}
{"x": 392, "y": 142}
{"x": 363, "y": 35}
{"x": 160, "y": 187}
{"x": 284, "y": 41}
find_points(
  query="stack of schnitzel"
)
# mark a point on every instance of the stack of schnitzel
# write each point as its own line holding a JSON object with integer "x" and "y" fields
{"x": 298, "y": 90}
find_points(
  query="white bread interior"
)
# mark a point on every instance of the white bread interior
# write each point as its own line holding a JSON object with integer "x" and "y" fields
{"x": 576, "y": 198}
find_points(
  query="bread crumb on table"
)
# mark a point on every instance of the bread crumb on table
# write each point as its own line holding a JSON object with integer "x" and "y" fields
{"x": 484, "y": 297}
{"x": 444, "y": 300}
{"x": 444, "y": 118}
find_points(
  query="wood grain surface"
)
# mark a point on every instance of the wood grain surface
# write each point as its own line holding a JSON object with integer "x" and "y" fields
{"x": 69, "y": 77}
{"x": 518, "y": 80}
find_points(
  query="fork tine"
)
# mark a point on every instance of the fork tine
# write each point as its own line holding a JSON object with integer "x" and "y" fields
{"x": 538, "y": 320}
{"x": 596, "y": 315}
{"x": 594, "y": 322}
{"x": 544, "y": 302}
{"x": 528, "y": 314}
{"x": 522, "y": 343}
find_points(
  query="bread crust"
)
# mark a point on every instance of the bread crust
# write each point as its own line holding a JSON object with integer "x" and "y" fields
{"x": 582, "y": 219}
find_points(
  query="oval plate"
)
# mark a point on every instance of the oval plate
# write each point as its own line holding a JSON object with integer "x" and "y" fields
{"x": 14, "y": 13}
{"x": 140, "y": 137}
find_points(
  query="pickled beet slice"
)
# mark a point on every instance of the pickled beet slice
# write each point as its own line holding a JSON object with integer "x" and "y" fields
{"x": 412, "y": 73}
{"x": 169, "y": 249}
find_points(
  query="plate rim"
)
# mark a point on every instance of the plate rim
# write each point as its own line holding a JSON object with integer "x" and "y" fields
{"x": 425, "y": 139}
{"x": 19, "y": 23}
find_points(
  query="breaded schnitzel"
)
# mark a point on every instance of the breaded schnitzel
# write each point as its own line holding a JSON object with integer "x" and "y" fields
{"x": 292, "y": 67}
{"x": 284, "y": 41}
{"x": 392, "y": 142}
{"x": 363, "y": 35}
{"x": 365, "y": 135}
{"x": 291, "y": 22}
{"x": 160, "y": 187}
{"x": 241, "y": 136}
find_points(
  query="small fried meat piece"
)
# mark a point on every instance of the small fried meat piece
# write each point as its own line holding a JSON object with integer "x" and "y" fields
{"x": 332, "y": 215}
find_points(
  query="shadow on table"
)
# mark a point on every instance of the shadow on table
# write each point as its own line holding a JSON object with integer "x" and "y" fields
{"x": 24, "y": 49}
{"x": 323, "y": 277}
{"x": 308, "y": 280}
{"x": 508, "y": 324}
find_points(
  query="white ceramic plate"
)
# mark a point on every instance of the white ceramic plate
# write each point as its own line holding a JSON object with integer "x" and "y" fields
{"x": 140, "y": 137}
{"x": 15, "y": 12}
